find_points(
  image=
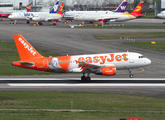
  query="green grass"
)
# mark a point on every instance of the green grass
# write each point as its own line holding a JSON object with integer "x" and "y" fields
{"x": 131, "y": 35}
{"x": 119, "y": 106}
{"x": 159, "y": 46}
{"x": 116, "y": 27}
{"x": 8, "y": 54}
{"x": 40, "y": 115}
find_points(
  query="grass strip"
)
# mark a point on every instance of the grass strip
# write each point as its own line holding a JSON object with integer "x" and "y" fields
{"x": 130, "y": 35}
{"x": 159, "y": 46}
{"x": 42, "y": 115}
{"x": 116, "y": 27}
{"x": 8, "y": 54}
{"x": 120, "y": 106}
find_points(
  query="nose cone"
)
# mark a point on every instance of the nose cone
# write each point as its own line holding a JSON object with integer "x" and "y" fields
{"x": 9, "y": 17}
{"x": 147, "y": 61}
{"x": 160, "y": 15}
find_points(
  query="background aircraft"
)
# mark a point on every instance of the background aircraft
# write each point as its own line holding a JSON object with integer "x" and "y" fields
{"x": 48, "y": 17}
{"x": 99, "y": 64}
{"x": 161, "y": 14}
{"x": 70, "y": 14}
{"x": 6, "y": 13}
{"x": 28, "y": 15}
{"x": 115, "y": 16}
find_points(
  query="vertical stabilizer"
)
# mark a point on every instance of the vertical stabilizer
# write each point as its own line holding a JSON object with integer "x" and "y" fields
{"x": 61, "y": 8}
{"x": 55, "y": 7}
{"x": 122, "y": 7}
{"x": 28, "y": 7}
{"x": 25, "y": 49}
{"x": 138, "y": 9}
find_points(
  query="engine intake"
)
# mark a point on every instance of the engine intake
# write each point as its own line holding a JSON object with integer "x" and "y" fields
{"x": 107, "y": 71}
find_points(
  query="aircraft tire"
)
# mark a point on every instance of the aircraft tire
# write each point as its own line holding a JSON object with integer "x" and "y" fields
{"x": 131, "y": 75}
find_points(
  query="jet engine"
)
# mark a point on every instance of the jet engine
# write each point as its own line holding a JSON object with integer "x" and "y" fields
{"x": 107, "y": 71}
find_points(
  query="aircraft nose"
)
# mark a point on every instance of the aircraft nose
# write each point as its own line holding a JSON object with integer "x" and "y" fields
{"x": 148, "y": 61}
{"x": 159, "y": 15}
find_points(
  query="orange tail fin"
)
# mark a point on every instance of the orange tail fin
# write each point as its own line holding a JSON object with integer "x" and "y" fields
{"x": 25, "y": 49}
{"x": 138, "y": 9}
{"x": 61, "y": 8}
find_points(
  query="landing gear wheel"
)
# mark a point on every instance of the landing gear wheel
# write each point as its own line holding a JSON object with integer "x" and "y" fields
{"x": 40, "y": 23}
{"x": 88, "y": 78}
{"x": 54, "y": 24}
{"x": 83, "y": 78}
{"x": 28, "y": 22}
{"x": 131, "y": 76}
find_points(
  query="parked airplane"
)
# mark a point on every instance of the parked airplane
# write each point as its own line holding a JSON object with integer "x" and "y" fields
{"x": 100, "y": 64}
{"x": 28, "y": 15}
{"x": 136, "y": 13}
{"x": 161, "y": 14}
{"x": 44, "y": 17}
{"x": 70, "y": 14}
{"x": 6, "y": 13}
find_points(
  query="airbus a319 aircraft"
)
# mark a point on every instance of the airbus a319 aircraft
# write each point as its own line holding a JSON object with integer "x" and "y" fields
{"x": 22, "y": 15}
{"x": 69, "y": 15}
{"x": 48, "y": 17}
{"x": 114, "y": 16}
{"x": 100, "y": 64}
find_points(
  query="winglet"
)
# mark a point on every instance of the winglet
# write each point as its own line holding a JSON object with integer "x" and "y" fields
{"x": 25, "y": 49}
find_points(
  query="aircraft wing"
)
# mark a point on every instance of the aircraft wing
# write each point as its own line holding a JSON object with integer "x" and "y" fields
{"x": 91, "y": 66}
{"x": 107, "y": 18}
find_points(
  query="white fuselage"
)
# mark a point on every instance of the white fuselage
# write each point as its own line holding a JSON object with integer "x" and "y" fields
{"x": 161, "y": 15}
{"x": 42, "y": 17}
{"x": 123, "y": 60}
{"x": 109, "y": 17}
{"x": 24, "y": 15}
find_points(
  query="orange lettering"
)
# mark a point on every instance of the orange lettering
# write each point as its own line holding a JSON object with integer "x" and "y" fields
{"x": 81, "y": 59}
{"x": 111, "y": 59}
{"x": 125, "y": 57}
{"x": 118, "y": 58}
{"x": 88, "y": 60}
{"x": 96, "y": 59}
{"x": 103, "y": 59}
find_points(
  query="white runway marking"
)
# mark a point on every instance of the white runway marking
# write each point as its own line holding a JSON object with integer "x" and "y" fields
{"x": 132, "y": 79}
{"x": 83, "y": 85}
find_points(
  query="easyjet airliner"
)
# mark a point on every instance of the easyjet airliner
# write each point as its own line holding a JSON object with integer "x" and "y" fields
{"x": 100, "y": 64}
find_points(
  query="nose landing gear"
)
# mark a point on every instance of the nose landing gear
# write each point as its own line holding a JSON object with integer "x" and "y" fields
{"x": 130, "y": 74}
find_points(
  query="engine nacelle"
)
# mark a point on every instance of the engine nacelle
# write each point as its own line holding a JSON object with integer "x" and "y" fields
{"x": 108, "y": 71}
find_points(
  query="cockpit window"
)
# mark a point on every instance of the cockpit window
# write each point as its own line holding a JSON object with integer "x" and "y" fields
{"x": 12, "y": 14}
{"x": 141, "y": 56}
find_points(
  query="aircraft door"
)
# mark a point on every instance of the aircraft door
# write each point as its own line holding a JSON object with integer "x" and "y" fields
{"x": 131, "y": 58}
{"x": 45, "y": 63}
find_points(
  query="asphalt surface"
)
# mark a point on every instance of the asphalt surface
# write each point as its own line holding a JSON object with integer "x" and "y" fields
{"x": 82, "y": 41}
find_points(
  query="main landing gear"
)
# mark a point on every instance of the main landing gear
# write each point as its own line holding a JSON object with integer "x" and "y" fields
{"x": 84, "y": 78}
{"x": 130, "y": 74}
